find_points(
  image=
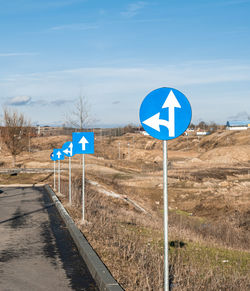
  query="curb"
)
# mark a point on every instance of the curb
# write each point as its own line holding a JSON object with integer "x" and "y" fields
{"x": 98, "y": 270}
{"x": 22, "y": 185}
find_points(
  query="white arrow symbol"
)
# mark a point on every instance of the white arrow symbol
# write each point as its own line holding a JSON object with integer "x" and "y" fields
{"x": 154, "y": 121}
{"x": 69, "y": 150}
{"x": 58, "y": 154}
{"x": 83, "y": 141}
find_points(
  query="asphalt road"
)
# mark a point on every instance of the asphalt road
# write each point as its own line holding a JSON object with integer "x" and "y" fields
{"x": 36, "y": 249}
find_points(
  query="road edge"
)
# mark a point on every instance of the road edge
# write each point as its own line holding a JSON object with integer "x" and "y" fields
{"x": 100, "y": 273}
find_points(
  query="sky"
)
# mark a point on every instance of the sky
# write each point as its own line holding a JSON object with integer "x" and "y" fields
{"x": 115, "y": 52}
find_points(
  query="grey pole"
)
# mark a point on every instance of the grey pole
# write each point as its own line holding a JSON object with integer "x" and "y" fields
{"x": 54, "y": 174}
{"x": 59, "y": 188}
{"x": 165, "y": 197}
{"x": 70, "y": 180}
{"x": 83, "y": 188}
{"x": 119, "y": 150}
{"x": 29, "y": 142}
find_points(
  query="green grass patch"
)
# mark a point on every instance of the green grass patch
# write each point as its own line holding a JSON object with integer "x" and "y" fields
{"x": 215, "y": 258}
{"x": 183, "y": 213}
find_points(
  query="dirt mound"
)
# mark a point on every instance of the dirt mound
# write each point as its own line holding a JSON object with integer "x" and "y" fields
{"x": 150, "y": 145}
{"x": 227, "y": 155}
{"x": 50, "y": 142}
{"x": 225, "y": 138}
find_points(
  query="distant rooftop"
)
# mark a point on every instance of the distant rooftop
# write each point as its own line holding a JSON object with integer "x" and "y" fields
{"x": 238, "y": 123}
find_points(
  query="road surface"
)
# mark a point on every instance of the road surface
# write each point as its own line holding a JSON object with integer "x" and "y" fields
{"x": 36, "y": 249}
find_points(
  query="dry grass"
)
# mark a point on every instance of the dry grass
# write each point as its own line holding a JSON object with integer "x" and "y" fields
{"x": 208, "y": 177}
{"x": 131, "y": 245}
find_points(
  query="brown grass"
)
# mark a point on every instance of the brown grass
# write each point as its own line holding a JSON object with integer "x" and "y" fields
{"x": 131, "y": 245}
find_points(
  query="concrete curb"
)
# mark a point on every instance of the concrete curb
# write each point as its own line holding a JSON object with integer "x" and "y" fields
{"x": 22, "y": 185}
{"x": 98, "y": 270}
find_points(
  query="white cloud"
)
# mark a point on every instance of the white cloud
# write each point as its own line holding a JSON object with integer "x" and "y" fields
{"x": 133, "y": 9}
{"x": 17, "y": 54}
{"x": 75, "y": 26}
{"x": 128, "y": 85}
{"x": 19, "y": 101}
{"x": 114, "y": 79}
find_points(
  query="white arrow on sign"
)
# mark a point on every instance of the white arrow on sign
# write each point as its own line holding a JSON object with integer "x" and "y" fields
{"x": 69, "y": 150}
{"x": 154, "y": 121}
{"x": 83, "y": 141}
{"x": 58, "y": 154}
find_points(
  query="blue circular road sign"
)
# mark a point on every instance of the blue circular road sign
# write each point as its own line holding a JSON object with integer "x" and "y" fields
{"x": 165, "y": 113}
{"x": 67, "y": 149}
{"x": 52, "y": 157}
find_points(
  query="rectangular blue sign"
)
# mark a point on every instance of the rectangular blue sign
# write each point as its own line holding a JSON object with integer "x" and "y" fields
{"x": 83, "y": 142}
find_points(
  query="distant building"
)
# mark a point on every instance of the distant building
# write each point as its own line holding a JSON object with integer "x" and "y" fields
{"x": 203, "y": 132}
{"x": 238, "y": 125}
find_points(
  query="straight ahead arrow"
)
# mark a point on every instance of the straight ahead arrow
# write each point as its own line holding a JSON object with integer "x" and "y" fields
{"x": 171, "y": 103}
{"x": 83, "y": 141}
{"x": 154, "y": 121}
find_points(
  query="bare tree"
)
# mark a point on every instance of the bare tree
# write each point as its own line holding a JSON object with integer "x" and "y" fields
{"x": 15, "y": 132}
{"x": 79, "y": 117}
{"x": 202, "y": 125}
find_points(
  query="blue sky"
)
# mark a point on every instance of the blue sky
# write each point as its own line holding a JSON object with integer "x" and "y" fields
{"x": 116, "y": 52}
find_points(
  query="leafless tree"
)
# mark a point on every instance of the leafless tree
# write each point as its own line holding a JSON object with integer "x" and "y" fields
{"x": 15, "y": 132}
{"x": 79, "y": 117}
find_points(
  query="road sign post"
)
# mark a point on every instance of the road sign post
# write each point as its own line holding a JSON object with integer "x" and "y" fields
{"x": 58, "y": 156}
{"x": 70, "y": 199}
{"x": 165, "y": 202}
{"x": 83, "y": 187}
{"x": 54, "y": 174}
{"x": 67, "y": 149}
{"x": 59, "y": 177}
{"x": 53, "y": 158}
{"x": 83, "y": 143}
{"x": 165, "y": 114}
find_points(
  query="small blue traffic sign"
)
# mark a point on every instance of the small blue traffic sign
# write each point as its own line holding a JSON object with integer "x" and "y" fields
{"x": 67, "y": 149}
{"x": 165, "y": 113}
{"x": 83, "y": 142}
{"x": 58, "y": 154}
{"x": 52, "y": 157}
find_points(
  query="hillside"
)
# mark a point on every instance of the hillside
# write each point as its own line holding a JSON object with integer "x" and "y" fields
{"x": 209, "y": 202}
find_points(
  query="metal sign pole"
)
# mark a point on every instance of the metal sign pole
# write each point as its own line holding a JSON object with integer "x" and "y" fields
{"x": 70, "y": 180}
{"x": 165, "y": 197}
{"x": 59, "y": 188}
{"x": 179, "y": 117}
{"x": 29, "y": 142}
{"x": 54, "y": 174}
{"x": 83, "y": 188}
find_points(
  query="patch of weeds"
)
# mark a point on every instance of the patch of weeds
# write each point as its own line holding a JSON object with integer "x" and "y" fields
{"x": 121, "y": 176}
{"x": 183, "y": 213}
{"x": 217, "y": 257}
